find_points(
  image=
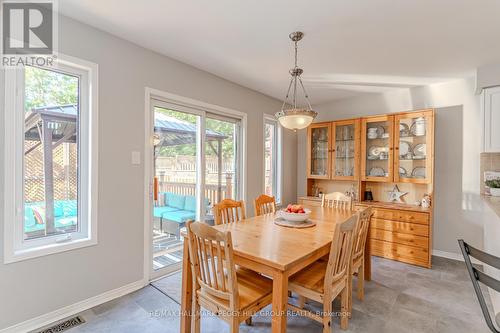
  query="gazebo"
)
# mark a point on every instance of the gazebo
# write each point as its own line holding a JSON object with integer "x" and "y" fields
{"x": 170, "y": 131}
{"x": 49, "y": 127}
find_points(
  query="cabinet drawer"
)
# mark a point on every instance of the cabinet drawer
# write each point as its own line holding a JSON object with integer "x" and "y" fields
{"x": 405, "y": 253}
{"x": 402, "y": 216}
{"x": 395, "y": 237}
{"x": 400, "y": 227}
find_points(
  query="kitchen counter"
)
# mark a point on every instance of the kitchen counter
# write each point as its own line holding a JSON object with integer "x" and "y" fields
{"x": 493, "y": 203}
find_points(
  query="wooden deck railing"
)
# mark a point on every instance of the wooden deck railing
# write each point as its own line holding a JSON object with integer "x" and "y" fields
{"x": 213, "y": 192}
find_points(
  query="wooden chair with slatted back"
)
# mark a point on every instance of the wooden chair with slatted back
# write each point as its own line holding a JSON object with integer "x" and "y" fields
{"x": 264, "y": 204}
{"x": 336, "y": 200}
{"x": 228, "y": 211}
{"x": 323, "y": 281}
{"x": 232, "y": 294}
{"x": 358, "y": 252}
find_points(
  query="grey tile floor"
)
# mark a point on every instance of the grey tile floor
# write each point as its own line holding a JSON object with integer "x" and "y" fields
{"x": 400, "y": 298}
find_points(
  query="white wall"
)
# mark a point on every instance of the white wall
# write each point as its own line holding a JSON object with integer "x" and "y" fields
{"x": 38, "y": 286}
{"x": 458, "y": 208}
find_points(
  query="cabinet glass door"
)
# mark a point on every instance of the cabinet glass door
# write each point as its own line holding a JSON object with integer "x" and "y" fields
{"x": 413, "y": 157}
{"x": 377, "y": 148}
{"x": 319, "y": 150}
{"x": 345, "y": 159}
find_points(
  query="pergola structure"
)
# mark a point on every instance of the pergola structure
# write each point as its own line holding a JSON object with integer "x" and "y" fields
{"x": 49, "y": 127}
{"x": 171, "y": 131}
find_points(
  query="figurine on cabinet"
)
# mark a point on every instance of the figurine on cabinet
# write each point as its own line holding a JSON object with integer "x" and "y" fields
{"x": 426, "y": 201}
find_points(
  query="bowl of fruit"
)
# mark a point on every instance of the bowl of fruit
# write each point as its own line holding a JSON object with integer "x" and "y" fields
{"x": 295, "y": 213}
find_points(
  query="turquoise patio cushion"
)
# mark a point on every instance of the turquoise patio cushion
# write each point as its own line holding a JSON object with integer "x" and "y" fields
{"x": 163, "y": 211}
{"x": 191, "y": 203}
{"x": 65, "y": 214}
{"x": 175, "y": 200}
{"x": 180, "y": 216}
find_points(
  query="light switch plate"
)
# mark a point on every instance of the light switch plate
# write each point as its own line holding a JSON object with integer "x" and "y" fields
{"x": 136, "y": 158}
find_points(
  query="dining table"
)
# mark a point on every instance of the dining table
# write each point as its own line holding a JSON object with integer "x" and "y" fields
{"x": 275, "y": 251}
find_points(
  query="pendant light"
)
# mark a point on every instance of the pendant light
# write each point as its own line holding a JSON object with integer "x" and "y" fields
{"x": 292, "y": 116}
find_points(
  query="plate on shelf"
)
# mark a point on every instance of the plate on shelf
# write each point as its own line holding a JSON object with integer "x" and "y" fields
{"x": 402, "y": 172}
{"x": 377, "y": 172}
{"x": 374, "y": 151}
{"x": 419, "y": 151}
{"x": 404, "y": 148}
{"x": 418, "y": 172}
{"x": 404, "y": 129}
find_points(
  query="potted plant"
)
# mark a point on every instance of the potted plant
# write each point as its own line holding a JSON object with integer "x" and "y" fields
{"x": 494, "y": 185}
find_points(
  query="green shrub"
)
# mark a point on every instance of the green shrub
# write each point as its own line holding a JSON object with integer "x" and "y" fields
{"x": 493, "y": 183}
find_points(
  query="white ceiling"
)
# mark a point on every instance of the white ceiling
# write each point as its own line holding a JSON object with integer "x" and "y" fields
{"x": 350, "y": 47}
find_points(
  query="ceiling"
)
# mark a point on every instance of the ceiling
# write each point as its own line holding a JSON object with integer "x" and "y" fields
{"x": 350, "y": 47}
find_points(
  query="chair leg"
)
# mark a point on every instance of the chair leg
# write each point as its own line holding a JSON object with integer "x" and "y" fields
{"x": 249, "y": 321}
{"x": 344, "y": 309}
{"x": 196, "y": 316}
{"x": 349, "y": 293}
{"x": 302, "y": 301}
{"x": 327, "y": 315}
{"x": 361, "y": 281}
{"x": 235, "y": 325}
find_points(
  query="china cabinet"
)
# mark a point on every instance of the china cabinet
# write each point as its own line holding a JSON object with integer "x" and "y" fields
{"x": 377, "y": 148}
{"x": 374, "y": 154}
{"x": 414, "y": 147}
{"x": 319, "y": 147}
{"x": 345, "y": 151}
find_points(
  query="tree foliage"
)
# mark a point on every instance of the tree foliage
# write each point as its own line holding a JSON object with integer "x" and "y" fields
{"x": 48, "y": 88}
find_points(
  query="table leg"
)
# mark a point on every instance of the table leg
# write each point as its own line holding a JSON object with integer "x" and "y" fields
{"x": 187, "y": 291}
{"x": 368, "y": 259}
{"x": 280, "y": 300}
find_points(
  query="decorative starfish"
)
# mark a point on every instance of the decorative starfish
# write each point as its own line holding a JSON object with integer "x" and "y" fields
{"x": 396, "y": 194}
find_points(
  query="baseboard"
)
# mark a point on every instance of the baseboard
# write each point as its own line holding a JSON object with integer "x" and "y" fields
{"x": 453, "y": 256}
{"x": 71, "y": 310}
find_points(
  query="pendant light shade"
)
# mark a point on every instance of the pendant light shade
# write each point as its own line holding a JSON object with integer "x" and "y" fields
{"x": 291, "y": 116}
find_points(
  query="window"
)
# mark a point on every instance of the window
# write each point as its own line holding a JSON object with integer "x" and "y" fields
{"x": 272, "y": 160}
{"x": 51, "y": 118}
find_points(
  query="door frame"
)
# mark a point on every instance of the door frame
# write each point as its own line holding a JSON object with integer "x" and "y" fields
{"x": 201, "y": 109}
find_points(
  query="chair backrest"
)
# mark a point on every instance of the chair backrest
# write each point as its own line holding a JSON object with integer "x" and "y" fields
{"x": 264, "y": 204}
{"x": 228, "y": 211}
{"x": 212, "y": 263}
{"x": 478, "y": 276}
{"x": 336, "y": 200}
{"x": 361, "y": 232}
{"x": 340, "y": 256}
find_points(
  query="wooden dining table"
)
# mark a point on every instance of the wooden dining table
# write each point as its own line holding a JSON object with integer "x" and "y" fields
{"x": 275, "y": 251}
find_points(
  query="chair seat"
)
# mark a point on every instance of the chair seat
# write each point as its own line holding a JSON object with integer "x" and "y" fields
{"x": 312, "y": 277}
{"x": 252, "y": 288}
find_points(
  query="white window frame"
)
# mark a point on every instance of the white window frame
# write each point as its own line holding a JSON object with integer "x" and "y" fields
{"x": 268, "y": 119}
{"x": 16, "y": 248}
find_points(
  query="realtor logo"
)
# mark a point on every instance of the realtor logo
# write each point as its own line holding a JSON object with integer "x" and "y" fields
{"x": 27, "y": 27}
{"x": 29, "y": 30}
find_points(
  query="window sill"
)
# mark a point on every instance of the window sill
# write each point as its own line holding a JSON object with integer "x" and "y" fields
{"x": 53, "y": 248}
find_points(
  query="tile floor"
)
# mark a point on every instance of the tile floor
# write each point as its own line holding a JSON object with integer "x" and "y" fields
{"x": 400, "y": 298}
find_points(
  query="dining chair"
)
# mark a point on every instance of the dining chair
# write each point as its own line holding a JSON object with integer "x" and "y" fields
{"x": 336, "y": 200}
{"x": 323, "y": 281}
{"x": 231, "y": 294}
{"x": 477, "y": 276}
{"x": 358, "y": 253}
{"x": 228, "y": 211}
{"x": 264, "y": 204}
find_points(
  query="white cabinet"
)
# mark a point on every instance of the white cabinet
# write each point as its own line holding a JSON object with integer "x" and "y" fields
{"x": 490, "y": 104}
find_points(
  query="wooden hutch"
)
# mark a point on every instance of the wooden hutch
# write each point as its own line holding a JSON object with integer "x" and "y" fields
{"x": 376, "y": 153}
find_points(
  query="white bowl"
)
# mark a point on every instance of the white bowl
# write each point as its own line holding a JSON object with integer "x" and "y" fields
{"x": 295, "y": 217}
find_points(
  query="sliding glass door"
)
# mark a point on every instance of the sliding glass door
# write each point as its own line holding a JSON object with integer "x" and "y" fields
{"x": 196, "y": 164}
